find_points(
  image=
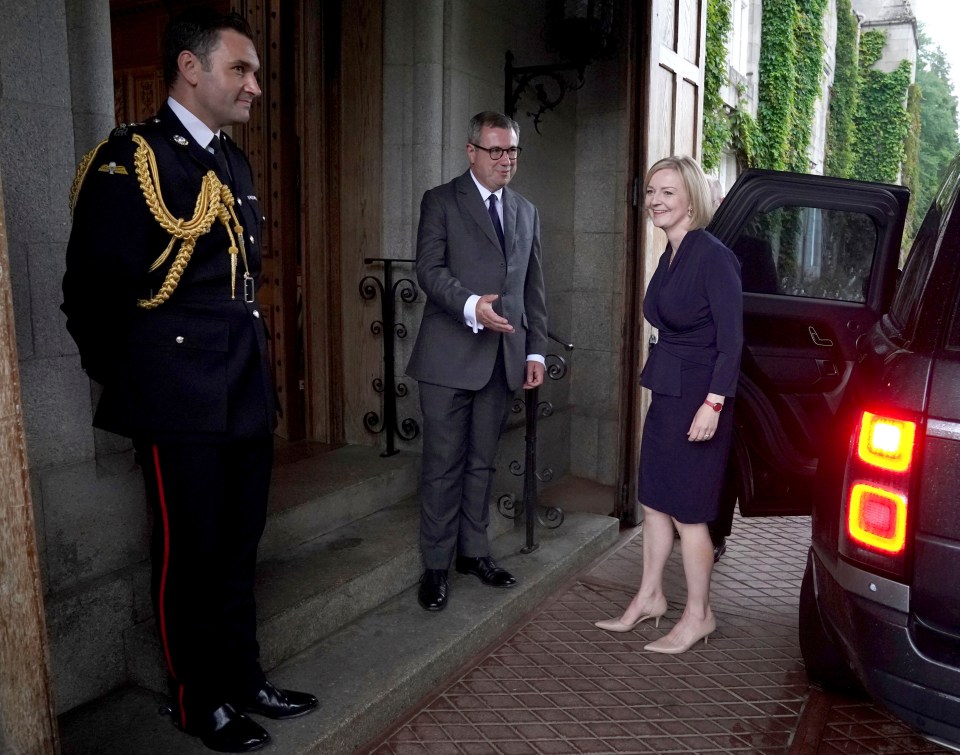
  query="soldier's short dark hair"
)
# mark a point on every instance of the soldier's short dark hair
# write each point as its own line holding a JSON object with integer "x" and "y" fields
{"x": 491, "y": 119}
{"x": 197, "y": 30}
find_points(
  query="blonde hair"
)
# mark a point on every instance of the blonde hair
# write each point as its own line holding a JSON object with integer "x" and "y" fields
{"x": 694, "y": 183}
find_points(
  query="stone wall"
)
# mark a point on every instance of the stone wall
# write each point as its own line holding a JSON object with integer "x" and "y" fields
{"x": 56, "y": 102}
{"x": 445, "y": 62}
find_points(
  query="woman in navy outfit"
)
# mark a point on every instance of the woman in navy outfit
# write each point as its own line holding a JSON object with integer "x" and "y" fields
{"x": 694, "y": 300}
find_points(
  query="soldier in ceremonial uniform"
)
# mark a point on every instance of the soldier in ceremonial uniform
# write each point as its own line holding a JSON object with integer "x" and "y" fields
{"x": 160, "y": 296}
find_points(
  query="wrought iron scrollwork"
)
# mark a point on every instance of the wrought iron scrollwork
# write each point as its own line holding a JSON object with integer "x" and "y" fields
{"x": 507, "y": 505}
{"x": 406, "y": 291}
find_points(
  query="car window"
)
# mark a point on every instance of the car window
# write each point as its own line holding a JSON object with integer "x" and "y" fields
{"x": 913, "y": 280}
{"x": 807, "y": 251}
{"x": 922, "y": 254}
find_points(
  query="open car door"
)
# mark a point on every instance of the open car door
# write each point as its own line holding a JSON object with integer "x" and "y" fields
{"x": 818, "y": 261}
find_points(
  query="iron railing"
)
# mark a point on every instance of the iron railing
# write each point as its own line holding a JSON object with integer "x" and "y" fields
{"x": 387, "y": 326}
{"x": 529, "y": 505}
{"x": 407, "y": 292}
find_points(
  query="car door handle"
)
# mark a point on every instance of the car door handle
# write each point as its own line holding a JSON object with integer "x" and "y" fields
{"x": 817, "y": 340}
{"x": 827, "y": 368}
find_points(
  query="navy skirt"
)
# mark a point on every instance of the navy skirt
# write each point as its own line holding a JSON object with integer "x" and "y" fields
{"x": 679, "y": 477}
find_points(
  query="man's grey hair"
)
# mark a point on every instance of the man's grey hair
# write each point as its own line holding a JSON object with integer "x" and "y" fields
{"x": 491, "y": 119}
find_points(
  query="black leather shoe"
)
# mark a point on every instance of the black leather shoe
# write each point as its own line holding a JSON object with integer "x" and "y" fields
{"x": 489, "y": 572}
{"x": 226, "y": 730}
{"x": 433, "y": 589}
{"x": 279, "y": 704}
{"x": 719, "y": 549}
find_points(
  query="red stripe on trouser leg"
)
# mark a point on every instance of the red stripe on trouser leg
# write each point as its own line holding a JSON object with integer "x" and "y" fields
{"x": 161, "y": 599}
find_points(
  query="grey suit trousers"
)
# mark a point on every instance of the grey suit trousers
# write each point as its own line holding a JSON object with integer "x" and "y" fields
{"x": 461, "y": 431}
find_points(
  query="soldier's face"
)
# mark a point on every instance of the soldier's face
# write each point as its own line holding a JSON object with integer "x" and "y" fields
{"x": 493, "y": 174}
{"x": 227, "y": 83}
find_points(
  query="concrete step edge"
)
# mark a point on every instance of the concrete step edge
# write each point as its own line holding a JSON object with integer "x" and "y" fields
{"x": 371, "y": 671}
{"x": 374, "y": 669}
{"x": 318, "y": 495}
{"x": 311, "y": 591}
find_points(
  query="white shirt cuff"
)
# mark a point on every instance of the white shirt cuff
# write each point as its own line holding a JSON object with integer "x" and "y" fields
{"x": 470, "y": 313}
{"x": 536, "y": 358}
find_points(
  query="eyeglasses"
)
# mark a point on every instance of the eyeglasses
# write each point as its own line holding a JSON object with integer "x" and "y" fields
{"x": 497, "y": 152}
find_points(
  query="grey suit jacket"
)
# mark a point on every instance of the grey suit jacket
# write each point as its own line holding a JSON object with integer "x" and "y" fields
{"x": 458, "y": 255}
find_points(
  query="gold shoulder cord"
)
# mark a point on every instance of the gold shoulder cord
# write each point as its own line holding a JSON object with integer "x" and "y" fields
{"x": 215, "y": 202}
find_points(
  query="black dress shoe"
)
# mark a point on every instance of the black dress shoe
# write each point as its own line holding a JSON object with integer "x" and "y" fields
{"x": 433, "y": 589}
{"x": 226, "y": 730}
{"x": 719, "y": 549}
{"x": 489, "y": 572}
{"x": 280, "y": 703}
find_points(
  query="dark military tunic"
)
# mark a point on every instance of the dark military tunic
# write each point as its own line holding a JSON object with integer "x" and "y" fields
{"x": 196, "y": 367}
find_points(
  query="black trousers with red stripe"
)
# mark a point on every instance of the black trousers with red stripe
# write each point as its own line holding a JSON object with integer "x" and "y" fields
{"x": 209, "y": 503}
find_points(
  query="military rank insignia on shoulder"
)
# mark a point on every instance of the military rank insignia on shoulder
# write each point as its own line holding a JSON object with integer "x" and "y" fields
{"x": 124, "y": 128}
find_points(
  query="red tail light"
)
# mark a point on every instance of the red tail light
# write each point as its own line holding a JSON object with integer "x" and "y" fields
{"x": 885, "y": 442}
{"x": 883, "y": 451}
{"x": 877, "y": 518}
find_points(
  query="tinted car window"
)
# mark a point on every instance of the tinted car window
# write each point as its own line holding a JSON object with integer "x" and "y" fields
{"x": 915, "y": 273}
{"x": 807, "y": 251}
{"x": 923, "y": 253}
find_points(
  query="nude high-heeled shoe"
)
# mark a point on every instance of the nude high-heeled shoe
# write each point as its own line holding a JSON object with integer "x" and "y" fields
{"x": 672, "y": 647}
{"x": 615, "y": 625}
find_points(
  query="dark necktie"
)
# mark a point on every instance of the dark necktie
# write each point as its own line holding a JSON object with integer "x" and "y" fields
{"x": 496, "y": 222}
{"x": 221, "y": 158}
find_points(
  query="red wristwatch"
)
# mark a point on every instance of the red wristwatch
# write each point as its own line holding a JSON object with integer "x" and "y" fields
{"x": 717, "y": 407}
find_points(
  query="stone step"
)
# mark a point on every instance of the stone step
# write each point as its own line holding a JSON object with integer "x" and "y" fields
{"x": 311, "y": 590}
{"x": 308, "y": 587}
{"x": 317, "y": 494}
{"x": 375, "y": 667}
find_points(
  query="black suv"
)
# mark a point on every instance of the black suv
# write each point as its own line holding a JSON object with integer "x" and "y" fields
{"x": 849, "y": 409}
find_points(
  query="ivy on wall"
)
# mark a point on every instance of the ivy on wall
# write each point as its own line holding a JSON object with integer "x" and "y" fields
{"x": 716, "y": 125}
{"x": 791, "y": 59}
{"x": 744, "y": 134}
{"x": 808, "y": 41}
{"x": 723, "y": 127}
{"x": 777, "y": 83}
{"x": 881, "y": 120}
{"x": 843, "y": 101}
{"x": 868, "y": 124}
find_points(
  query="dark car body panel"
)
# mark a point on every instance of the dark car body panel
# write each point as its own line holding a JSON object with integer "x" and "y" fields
{"x": 811, "y": 367}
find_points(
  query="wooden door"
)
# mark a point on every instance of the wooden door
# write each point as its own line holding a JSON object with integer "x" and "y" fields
{"x": 667, "y": 44}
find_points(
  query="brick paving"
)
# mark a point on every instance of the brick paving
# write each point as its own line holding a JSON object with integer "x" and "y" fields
{"x": 559, "y": 685}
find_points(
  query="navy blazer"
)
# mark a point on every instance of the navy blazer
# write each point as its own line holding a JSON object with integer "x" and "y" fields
{"x": 197, "y": 366}
{"x": 458, "y": 255}
{"x": 697, "y": 305}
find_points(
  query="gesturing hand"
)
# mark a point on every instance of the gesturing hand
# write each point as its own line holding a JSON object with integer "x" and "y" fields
{"x": 490, "y": 319}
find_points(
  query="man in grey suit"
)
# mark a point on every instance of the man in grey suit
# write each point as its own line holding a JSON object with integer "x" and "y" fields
{"x": 483, "y": 336}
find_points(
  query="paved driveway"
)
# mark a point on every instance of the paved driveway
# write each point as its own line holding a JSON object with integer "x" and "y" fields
{"x": 556, "y": 684}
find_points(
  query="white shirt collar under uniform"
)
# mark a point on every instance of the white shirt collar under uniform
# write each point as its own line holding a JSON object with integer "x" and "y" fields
{"x": 197, "y": 128}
